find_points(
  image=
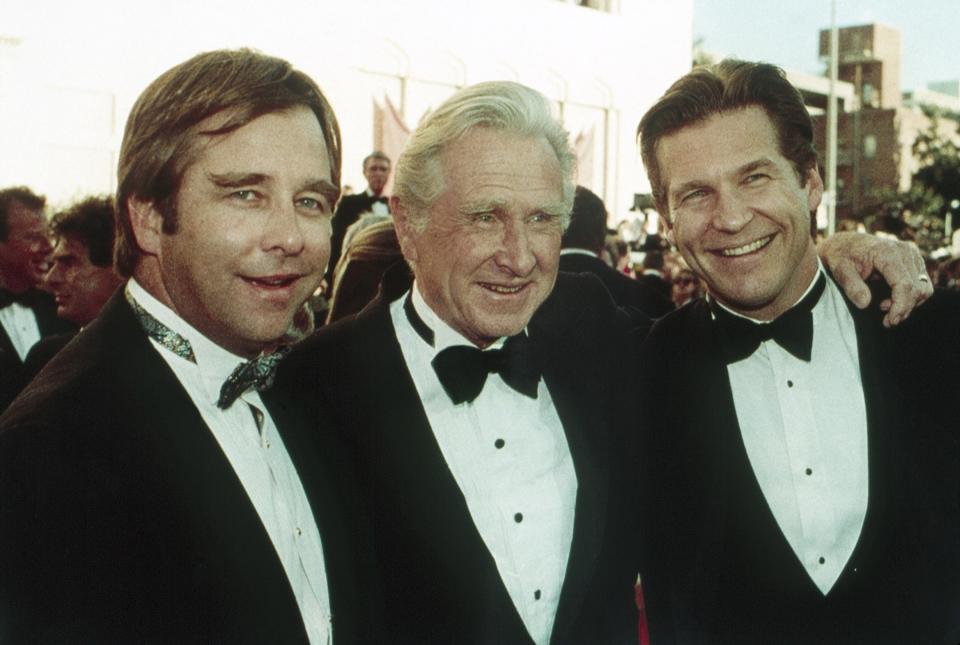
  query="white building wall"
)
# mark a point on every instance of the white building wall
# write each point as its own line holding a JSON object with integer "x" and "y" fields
{"x": 69, "y": 71}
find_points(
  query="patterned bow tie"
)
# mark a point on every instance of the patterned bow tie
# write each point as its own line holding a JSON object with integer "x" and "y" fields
{"x": 255, "y": 373}
{"x": 24, "y": 298}
{"x": 463, "y": 370}
{"x": 793, "y": 330}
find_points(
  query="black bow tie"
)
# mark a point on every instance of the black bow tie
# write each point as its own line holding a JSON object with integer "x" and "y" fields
{"x": 24, "y": 298}
{"x": 463, "y": 370}
{"x": 792, "y": 330}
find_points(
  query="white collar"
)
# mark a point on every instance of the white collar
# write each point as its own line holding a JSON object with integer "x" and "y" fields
{"x": 214, "y": 362}
{"x": 576, "y": 251}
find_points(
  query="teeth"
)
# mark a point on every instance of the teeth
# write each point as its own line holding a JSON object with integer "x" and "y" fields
{"x": 747, "y": 248}
{"x": 499, "y": 289}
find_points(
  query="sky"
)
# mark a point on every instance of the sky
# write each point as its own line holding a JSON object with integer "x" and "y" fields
{"x": 786, "y": 32}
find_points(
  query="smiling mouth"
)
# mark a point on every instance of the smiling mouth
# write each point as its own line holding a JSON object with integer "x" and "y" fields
{"x": 273, "y": 282}
{"x": 737, "y": 251}
{"x": 502, "y": 289}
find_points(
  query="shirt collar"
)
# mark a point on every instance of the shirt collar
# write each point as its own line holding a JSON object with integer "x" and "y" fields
{"x": 443, "y": 334}
{"x": 214, "y": 362}
{"x": 575, "y": 251}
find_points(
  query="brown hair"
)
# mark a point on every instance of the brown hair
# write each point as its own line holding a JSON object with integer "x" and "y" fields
{"x": 162, "y": 129}
{"x": 91, "y": 222}
{"x": 723, "y": 87}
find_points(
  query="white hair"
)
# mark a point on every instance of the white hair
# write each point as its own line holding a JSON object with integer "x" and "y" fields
{"x": 499, "y": 105}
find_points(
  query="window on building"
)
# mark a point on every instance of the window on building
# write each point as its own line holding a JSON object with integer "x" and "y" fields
{"x": 870, "y": 146}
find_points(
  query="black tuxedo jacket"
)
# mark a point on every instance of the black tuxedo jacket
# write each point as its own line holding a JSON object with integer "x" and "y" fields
{"x": 12, "y": 376}
{"x": 122, "y": 521}
{"x": 736, "y": 579}
{"x": 656, "y": 284}
{"x": 440, "y": 582}
{"x": 626, "y": 291}
{"x": 348, "y": 211}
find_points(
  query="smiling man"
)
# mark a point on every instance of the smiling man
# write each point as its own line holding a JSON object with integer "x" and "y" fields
{"x": 150, "y": 492}
{"x": 811, "y": 496}
{"x": 481, "y": 426}
{"x": 27, "y": 314}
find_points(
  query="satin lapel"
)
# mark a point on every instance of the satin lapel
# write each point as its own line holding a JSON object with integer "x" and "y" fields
{"x": 711, "y": 447}
{"x": 885, "y": 415}
{"x": 203, "y": 487}
{"x": 7, "y": 348}
{"x": 577, "y": 394}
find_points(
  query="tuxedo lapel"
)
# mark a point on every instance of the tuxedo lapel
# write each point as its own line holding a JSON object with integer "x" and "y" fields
{"x": 198, "y": 480}
{"x": 578, "y": 404}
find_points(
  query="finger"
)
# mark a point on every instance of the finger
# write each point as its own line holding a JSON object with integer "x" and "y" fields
{"x": 848, "y": 277}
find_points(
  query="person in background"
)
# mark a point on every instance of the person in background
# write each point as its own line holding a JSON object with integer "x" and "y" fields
{"x": 376, "y": 170}
{"x": 27, "y": 314}
{"x": 81, "y": 276}
{"x": 581, "y": 245}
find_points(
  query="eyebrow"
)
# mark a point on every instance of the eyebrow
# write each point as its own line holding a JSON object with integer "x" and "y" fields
{"x": 240, "y": 179}
{"x": 487, "y": 205}
{"x": 750, "y": 166}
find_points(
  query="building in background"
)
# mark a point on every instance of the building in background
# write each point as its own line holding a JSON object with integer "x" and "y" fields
{"x": 876, "y": 132}
{"x": 69, "y": 72}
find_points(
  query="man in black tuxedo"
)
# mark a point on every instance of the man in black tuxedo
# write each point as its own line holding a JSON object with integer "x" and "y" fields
{"x": 27, "y": 314}
{"x": 376, "y": 170}
{"x": 807, "y": 463}
{"x": 81, "y": 276}
{"x": 580, "y": 253}
{"x": 500, "y": 510}
{"x": 150, "y": 493}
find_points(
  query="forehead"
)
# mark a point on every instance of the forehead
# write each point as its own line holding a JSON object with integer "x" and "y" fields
{"x": 377, "y": 161}
{"x": 70, "y": 245}
{"x": 290, "y": 139}
{"x": 21, "y": 217}
{"x": 717, "y": 144}
{"x": 511, "y": 169}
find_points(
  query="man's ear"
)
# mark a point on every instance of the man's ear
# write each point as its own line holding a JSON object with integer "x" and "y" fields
{"x": 406, "y": 233}
{"x": 668, "y": 223}
{"x": 146, "y": 222}
{"x": 814, "y": 187}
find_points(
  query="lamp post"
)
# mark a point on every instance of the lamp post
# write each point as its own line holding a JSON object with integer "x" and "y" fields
{"x": 832, "y": 124}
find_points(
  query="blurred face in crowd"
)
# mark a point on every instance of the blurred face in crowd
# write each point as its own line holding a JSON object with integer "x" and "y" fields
{"x": 24, "y": 256}
{"x": 739, "y": 214}
{"x": 80, "y": 287}
{"x": 253, "y": 234}
{"x": 376, "y": 171}
{"x": 489, "y": 253}
{"x": 685, "y": 286}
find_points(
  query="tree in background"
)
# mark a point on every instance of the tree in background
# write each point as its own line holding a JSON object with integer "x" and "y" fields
{"x": 920, "y": 213}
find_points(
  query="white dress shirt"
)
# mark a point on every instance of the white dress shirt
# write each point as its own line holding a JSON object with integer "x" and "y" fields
{"x": 260, "y": 461}
{"x": 20, "y": 323}
{"x": 804, "y": 426}
{"x": 509, "y": 455}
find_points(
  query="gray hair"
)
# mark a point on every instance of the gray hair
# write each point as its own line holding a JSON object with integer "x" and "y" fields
{"x": 499, "y": 105}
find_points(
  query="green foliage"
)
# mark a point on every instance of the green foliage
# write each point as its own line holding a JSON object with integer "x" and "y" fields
{"x": 934, "y": 191}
